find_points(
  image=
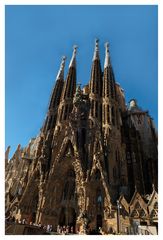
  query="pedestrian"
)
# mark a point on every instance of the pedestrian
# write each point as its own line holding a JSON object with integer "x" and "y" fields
{"x": 64, "y": 229}
{"x": 50, "y": 228}
{"x": 58, "y": 229}
{"x": 61, "y": 229}
{"x": 67, "y": 229}
{"x": 23, "y": 221}
{"x": 44, "y": 227}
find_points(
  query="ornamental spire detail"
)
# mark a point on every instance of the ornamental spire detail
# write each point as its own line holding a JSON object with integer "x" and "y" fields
{"x": 96, "y": 51}
{"x": 61, "y": 70}
{"x": 107, "y": 56}
{"x": 73, "y": 59}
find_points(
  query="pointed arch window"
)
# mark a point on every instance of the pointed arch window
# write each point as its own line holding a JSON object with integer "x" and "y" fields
{"x": 92, "y": 108}
{"x": 66, "y": 112}
{"x": 114, "y": 173}
{"x": 142, "y": 213}
{"x": 99, "y": 199}
{"x": 137, "y": 205}
{"x": 97, "y": 174}
{"x": 66, "y": 190}
{"x": 134, "y": 213}
{"x": 128, "y": 157}
{"x": 154, "y": 214}
{"x": 155, "y": 205}
{"x": 69, "y": 187}
{"x": 100, "y": 111}
{"x": 133, "y": 157}
{"x": 96, "y": 109}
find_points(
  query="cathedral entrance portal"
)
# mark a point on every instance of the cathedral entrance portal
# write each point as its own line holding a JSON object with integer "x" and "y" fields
{"x": 67, "y": 217}
{"x": 72, "y": 218}
{"x": 62, "y": 218}
{"x": 98, "y": 221}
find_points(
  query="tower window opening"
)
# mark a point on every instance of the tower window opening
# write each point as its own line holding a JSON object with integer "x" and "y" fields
{"x": 61, "y": 113}
{"x": 69, "y": 88}
{"x": 113, "y": 115}
{"x": 114, "y": 173}
{"x": 99, "y": 199}
{"x": 108, "y": 113}
{"x": 66, "y": 111}
{"x": 100, "y": 112}
{"x": 49, "y": 123}
{"x": 92, "y": 108}
{"x": 96, "y": 109}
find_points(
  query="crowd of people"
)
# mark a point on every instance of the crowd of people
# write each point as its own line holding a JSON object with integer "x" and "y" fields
{"x": 64, "y": 230}
{"x": 47, "y": 228}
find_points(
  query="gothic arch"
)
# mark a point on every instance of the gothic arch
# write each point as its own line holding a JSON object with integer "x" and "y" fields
{"x": 99, "y": 199}
{"x": 68, "y": 192}
{"x": 66, "y": 149}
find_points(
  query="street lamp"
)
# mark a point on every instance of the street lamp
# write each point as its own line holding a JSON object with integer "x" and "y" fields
{"x": 118, "y": 216}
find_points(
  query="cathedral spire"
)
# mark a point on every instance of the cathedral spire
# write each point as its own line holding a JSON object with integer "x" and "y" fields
{"x": 107, "y": 56}
{"x": 95, "y": 85}
{"x": 60, "y": 74}
{"x": 73, "y": 59}
{"x": 51, "y": 116}
{"x": 110, "y": 110}
{"x": 96, "y": 51}
{"x": 96, "y": 73}
{"x": 66, "y": 103}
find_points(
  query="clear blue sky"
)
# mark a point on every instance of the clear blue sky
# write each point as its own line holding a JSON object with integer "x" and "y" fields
{"x": 38, "y": 36}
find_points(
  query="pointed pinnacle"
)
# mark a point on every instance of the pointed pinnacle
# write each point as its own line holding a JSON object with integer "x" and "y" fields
{"x": 73, "y": 59}
{"x": 107, "y": 46}
{"x": 107, "y": 57}
{"x": 96, "y": 51}
{"x": 61, "y": 69}
{"x": 63, "y": 62}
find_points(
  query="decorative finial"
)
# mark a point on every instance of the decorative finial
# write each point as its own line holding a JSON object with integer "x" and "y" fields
{"x": 75, "y": 48}
{"x": 96, "y": 52}
{"x": 153, "y": 187}
{"x": 61, "y": 70}
{"x": 135, "y": 188}
{"x": 73, "y": 59}
{"x": 63, "y": 62}
{"x": 107, "y": 57}
{"x": 107, "y": 46}
{"x": 96, "y": 41}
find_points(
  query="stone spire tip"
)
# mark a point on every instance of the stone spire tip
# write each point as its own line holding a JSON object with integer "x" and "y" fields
{"x": 61, "y": 70}
{"x": 73, "y": 59}
{"x": 107, "y": 46}
{"x": 107, "y": 57}
{"x": 96, "y": 51}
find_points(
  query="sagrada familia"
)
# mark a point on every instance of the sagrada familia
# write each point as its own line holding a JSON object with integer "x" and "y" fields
{"x": 93, "y": 164}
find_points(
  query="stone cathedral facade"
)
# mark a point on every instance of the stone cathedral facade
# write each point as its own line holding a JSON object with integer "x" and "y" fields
{"x": 92, "y": 150}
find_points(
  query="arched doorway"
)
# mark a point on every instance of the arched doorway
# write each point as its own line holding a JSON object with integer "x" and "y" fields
{"x": 72, "y": 218}
{"x": 98, "y": 221}
{"x": 62, "y": 218}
